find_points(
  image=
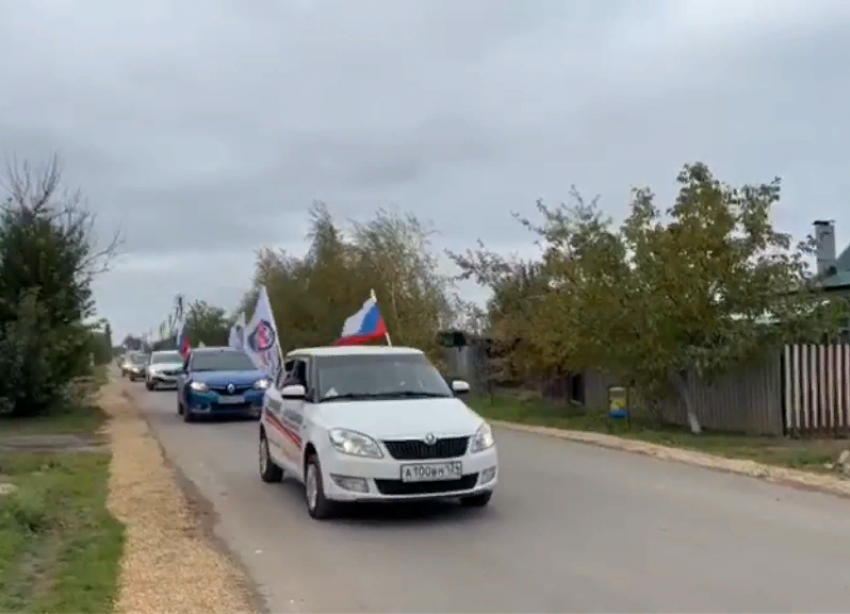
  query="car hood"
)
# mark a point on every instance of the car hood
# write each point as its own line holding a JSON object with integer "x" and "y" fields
{"x": 400, "y": 418}
{"x": 167, "y": 366}
{"x": 222, "y": 378}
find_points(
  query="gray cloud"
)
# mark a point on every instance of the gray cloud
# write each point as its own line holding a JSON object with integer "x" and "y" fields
{"x": 206, "y": 128}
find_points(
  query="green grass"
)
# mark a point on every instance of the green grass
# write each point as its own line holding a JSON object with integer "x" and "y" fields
{"x": 76, "y": 421}
{"x": 83, "y": 419}
{"x": 797, "y": 454}
{"x": 59, "y": 546}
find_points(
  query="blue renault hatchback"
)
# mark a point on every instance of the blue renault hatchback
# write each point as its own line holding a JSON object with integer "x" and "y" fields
{"x": 220, "y": 381}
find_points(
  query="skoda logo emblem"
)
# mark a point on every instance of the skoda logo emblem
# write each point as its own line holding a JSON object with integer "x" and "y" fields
{"x": 231, "y": 389}
{"x": 430, "y": 439}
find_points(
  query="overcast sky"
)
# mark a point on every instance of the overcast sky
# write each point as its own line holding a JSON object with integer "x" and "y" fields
{"x": 205, "y": 128}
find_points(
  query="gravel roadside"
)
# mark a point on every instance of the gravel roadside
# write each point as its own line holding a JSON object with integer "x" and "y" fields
{"x": 171, "y": 562}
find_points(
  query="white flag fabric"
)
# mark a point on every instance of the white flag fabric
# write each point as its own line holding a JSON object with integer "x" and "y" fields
{"x": 237, "y": 333}
{"x": 261, "y": 341}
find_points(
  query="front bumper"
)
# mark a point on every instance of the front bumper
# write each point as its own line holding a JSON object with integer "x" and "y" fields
{"x": 162, "y": 379}
{"x": 210, "y": 403}
{"x": 381, "y": 478}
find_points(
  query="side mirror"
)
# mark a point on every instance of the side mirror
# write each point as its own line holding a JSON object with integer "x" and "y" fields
{"x": 460, "y": 387}
{"x": 293, "y": 391}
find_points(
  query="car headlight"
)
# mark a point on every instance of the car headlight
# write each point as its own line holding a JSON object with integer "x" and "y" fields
{"x": 262, "y": 384}
{"x": 198, "y": 386}
{"x": 354, "y": 443}
{"x": 483, "y": 439}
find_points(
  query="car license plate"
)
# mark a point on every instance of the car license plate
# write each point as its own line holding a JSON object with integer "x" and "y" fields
{"x": 235, "y": 399}
{"x": 432, "y": 472}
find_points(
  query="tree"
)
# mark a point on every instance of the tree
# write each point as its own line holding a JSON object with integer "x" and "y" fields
{"x": 311, "y": 296}
{"x": 692, "y": 293}
{"x": 132, "y": 343}
{"x": 48, "y": 260}
{"x": 207, "y": 324}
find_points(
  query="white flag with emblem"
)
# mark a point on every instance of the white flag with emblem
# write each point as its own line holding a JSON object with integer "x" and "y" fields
{"x": 261, "y": 341}
{"x": 237, "y": 333}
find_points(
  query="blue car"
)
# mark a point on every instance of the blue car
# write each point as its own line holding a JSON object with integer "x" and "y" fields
{"x": 220, "y": 381}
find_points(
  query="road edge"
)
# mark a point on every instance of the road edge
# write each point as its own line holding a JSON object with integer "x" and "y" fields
{"x": 204, "y": 513}
{"x": 771, "y": 473}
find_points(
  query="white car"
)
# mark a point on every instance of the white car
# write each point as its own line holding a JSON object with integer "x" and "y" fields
{"x": 366, "y": 423}
{"x": 163, "y": 369}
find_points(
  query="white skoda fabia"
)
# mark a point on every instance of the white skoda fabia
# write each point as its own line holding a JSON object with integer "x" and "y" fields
{"x": 364, "y": 423}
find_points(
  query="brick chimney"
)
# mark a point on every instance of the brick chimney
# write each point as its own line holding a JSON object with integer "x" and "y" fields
{"x": 825, "y": 240}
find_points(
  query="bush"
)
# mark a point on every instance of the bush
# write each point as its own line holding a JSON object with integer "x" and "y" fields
{"x": 48, "y": 261}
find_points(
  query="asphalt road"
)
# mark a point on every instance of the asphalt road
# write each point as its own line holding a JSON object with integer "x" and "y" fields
{"x": 572, "y": 528}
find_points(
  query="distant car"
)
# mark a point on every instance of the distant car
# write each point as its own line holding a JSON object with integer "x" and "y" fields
{"x": 137, "y": 366}
{"x": 124, "y": 364}
{"x": 220, "y": 381}
{"x": 369, "y": 423}
{"x": 163, "y": 369}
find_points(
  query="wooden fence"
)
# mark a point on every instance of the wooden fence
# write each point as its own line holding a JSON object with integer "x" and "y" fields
{"x": 799, "y": 389}
{"x": 816, "y": 388}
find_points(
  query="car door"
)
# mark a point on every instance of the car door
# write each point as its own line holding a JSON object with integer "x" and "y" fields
{"x": 273, "y": 419}
{"x": 293, "y": 412}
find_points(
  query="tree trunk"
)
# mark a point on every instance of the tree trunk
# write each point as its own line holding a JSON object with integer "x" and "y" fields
{"x": 679, "y": 380}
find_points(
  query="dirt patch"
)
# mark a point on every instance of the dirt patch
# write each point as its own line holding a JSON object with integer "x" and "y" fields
{"x": 170, "y": 564}
{"x": 790, "y": 477}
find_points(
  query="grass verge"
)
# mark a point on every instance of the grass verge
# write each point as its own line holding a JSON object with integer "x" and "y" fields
{"x": 81, "y": 417}
{"x": 60, "y": 548}
{"x": 810, "y": 455}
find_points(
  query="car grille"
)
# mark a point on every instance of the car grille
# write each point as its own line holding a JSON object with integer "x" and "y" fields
{"x": 169, "y": 373}
{"x": 397, "y": 487}
{"x": 416, "y": 449}
{"x": 237, "y": 388}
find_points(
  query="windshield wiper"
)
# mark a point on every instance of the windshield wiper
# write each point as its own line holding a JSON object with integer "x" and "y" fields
{"x": 408, "y": 394}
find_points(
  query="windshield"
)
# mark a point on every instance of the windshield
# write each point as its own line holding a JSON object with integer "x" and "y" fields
{"x": 139, "y": 359}
{"x": 379, "y": 376}
{"x": 222, "y": 361}
{"x": 163, "y": 357}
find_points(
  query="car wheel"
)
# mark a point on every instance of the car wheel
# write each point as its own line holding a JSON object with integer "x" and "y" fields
{"x": 269, "y": 471}
{"x": 477, "y": 500}
{"x": 179, "y": 407}
{"x": 188, "y": 416}
{"x": 132, "y": 377}
{"x": 318, "y": 506}
{"x": 149, "y": 385}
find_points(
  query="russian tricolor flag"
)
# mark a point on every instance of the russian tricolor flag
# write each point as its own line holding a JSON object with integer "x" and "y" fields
{"x": 183, "y": 344}
{"x": 365, "y": 326}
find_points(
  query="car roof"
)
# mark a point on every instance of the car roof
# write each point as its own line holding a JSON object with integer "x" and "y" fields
{"x": 215, "y": 350}
{"x": 355, "y": 350}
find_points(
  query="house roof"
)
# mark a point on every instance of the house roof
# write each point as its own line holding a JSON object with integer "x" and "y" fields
{"x": 842, "y": 263}
{"x": 839, "y": 279}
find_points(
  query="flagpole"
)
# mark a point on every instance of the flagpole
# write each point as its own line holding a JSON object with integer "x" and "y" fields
{"x": 386, "y": 334}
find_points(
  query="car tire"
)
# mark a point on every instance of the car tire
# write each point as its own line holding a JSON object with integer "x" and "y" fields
{"x": 318, "y": 506}
{"x": 132, "y": 377}
{"x": 477, "y": 500}
{"x": 188, "y": 416}
{"x": 149, "y": 385}
{"x": 179, "y": 406}
{"x": 269, "y": 471}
